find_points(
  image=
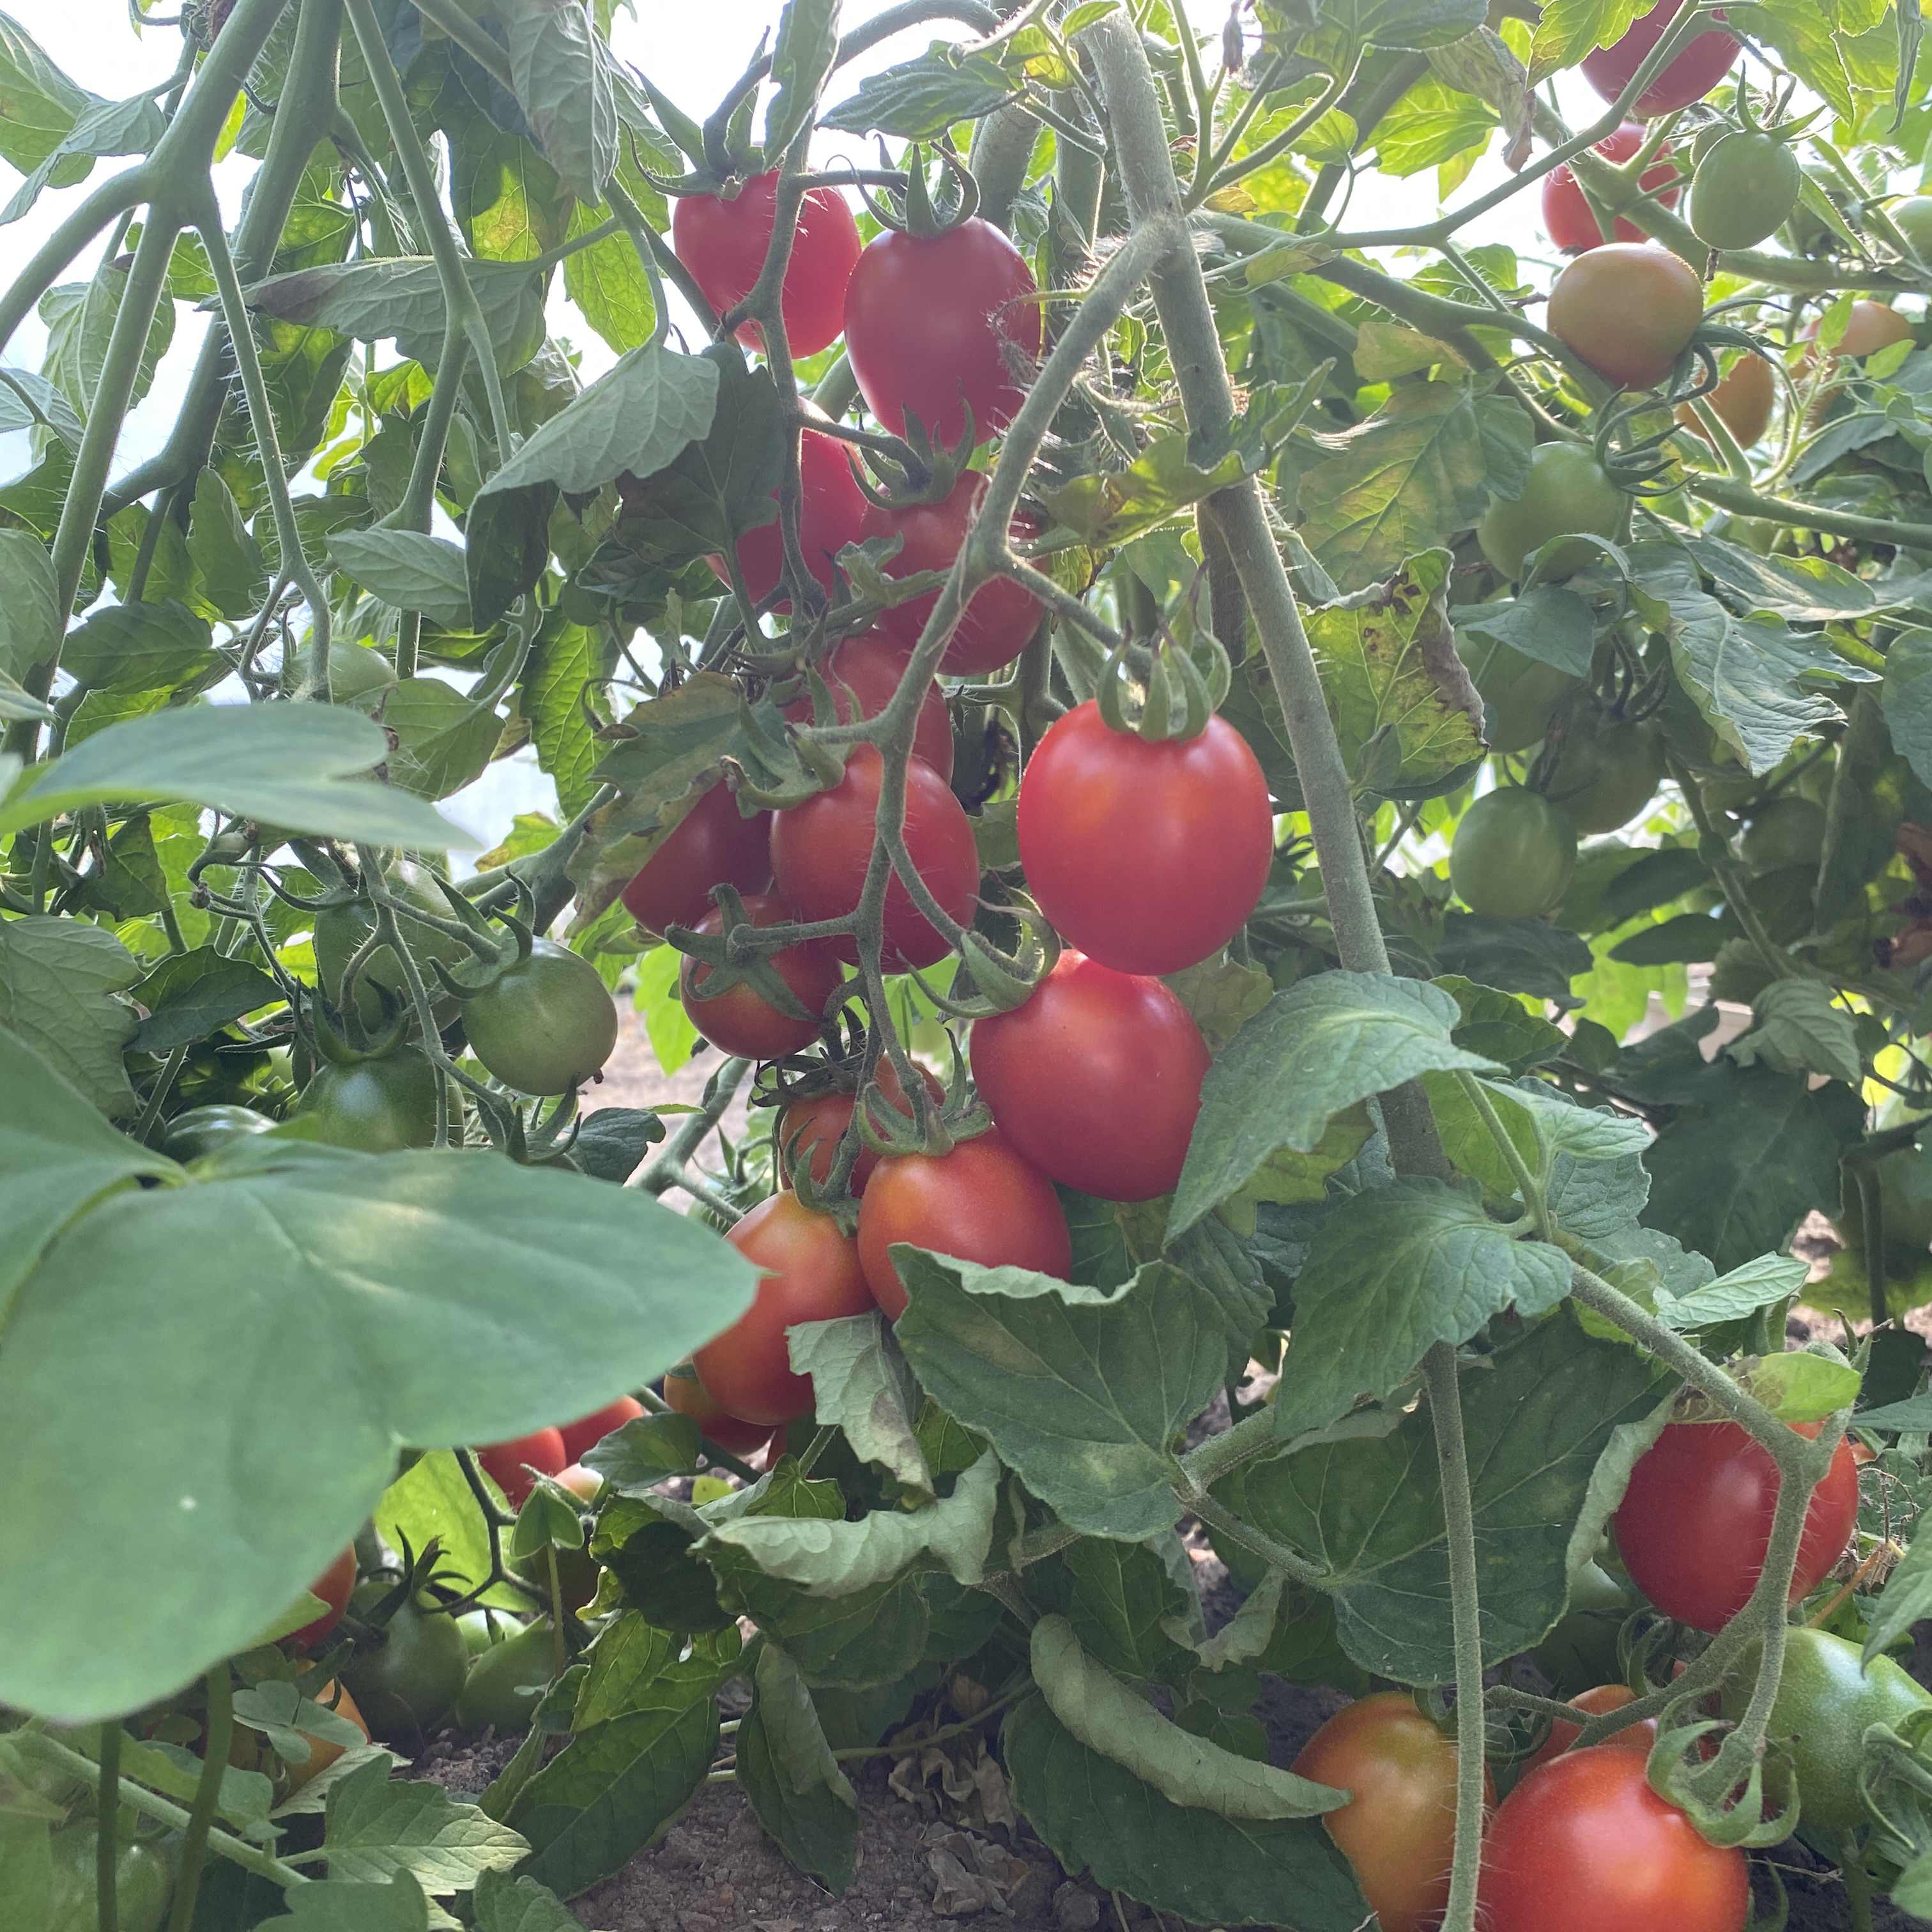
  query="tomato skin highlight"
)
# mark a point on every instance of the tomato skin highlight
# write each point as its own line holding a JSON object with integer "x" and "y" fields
{"x": 1629, "y": 309}
{"x": 820, "y": 850}
{"x": 831, "y": 511}
{"x": 1566, "y": 218}
{"x": 814, "y": 1275}
{"x": 1096, "y": 1079}
{"x": 740, "y": 1019}
{"x": 1193, "y": 813}
{"x": 1513, "y": 854}
{"x": 1583, "y": 1844}
{"x": 810, "y": 1128}
{"x": 333, "y": 1587}
{"x": 1597, "y": 1703}
{"x": 862, "y": 674}
{"x": 543, "y": 1449}
{"x": 1398, "y": 1831}
{"x": 1695, "y": 1522}
{"x": 587, "y": 1431}
{"x": 999, "y": 617}
{"x": 930, "y": 322}
{"x": 545, "y": 1024}
{"x": 980, "y": 1201}
{"x": 714, "y": 844}
{"x": 723, "y": 244}
{"x": 1689, "y": 77}
{"x": 688, "y": 1396}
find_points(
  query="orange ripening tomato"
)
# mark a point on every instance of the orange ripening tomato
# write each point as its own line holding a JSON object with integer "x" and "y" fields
{"x": 686, "y": 1394}
{"x": 1628, "y": 310}
{"x": 1742, "y": 401}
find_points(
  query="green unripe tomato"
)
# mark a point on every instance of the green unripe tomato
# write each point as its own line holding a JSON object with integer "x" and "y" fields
{"x": 544, "y": 1024}
{"x": 1745, "y": 189}
{"x": 1568, "y": 491}
{"x": 1606, "y": 772}
{"x": 202, "y": 1129}
{"x": 405, "y": 1684}
{"x": 1522, "y": 693}
{"x": 1912, "y": 217}
{"x": 506, "y": 1683}
{"x": 357, "y": 675}
{"x": 1513, "y": 854}
{"x": 1825, "y": 1701}
{"x": 144, "y": 1881}
{"x": 482, "y": 1628}
{"x": 339, "y": 930}
{"x": 1788, "y": 831}
{"x": 1808, "y": 233}
{"x": 376, "y": 1106}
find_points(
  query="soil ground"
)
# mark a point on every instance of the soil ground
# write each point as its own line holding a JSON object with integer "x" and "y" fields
{"x": 938, "y": 1844}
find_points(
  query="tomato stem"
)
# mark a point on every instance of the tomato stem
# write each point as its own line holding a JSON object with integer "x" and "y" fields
{"x": 107, "y": 1828}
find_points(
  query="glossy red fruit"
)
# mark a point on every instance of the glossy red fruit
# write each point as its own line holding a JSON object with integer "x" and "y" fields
{"x": 814, "y": 1275}
{"x": 713, "y": 843}
{"x": 980, "y": 1201}
{"x": 1566, "y": 218}
{"x": 936, "y": 324}
{"x": 862, "y": 674}
{"x": 740, "y": 1019}
{"x": 1096, "y": 1079}
{"x": 1599, "y": 1703}
{"x": 542, "y": 1450}
{"x": 1629, "y": 310}
{"x": 724, "y": 245}
{"x": 831, "y": 511}
{"x": 333, "y": 1587}
{"x": 1583, "y": 1844}
{"x": 1148, "y": 857}
{"x": 590, "y": 1430}
{"x": 820, "y": 850}
{"x": 1695, "y": 1522}
{"x": 999, "y": 618}
{"x": 1689, "y": 77}
{"x": 686, "y": 1394}
{"x": 810, "y": 1130}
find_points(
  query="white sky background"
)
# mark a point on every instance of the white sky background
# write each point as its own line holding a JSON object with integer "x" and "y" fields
{"x": 693, "y": 52}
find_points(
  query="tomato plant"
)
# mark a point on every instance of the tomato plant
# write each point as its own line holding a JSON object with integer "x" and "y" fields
{"x": 1567, "y": 216}
{"x": 740, "y": 1018}
{"x": 1629, "y": 309}
{"x": 714, "y": 844}
{"x": 861, "y": 675}
{"x": 544, "y": 1023}
{"x": 1194, "y": 813}
{"x": 1583, "y": 1842}
{"x": 1694, "y": 1524}
{"x": 722, "y": 239}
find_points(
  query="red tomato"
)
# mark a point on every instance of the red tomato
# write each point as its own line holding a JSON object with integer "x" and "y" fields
{"x": 1398, "y": 1831}
{"x": 978, "y": 1202}
{"x": 590, "y": 1430}
{"x": 1689, "y": 77}
{"x": 723, "y": 244}
{"x": 862, "y": 674}
{"x": 935, "y": 324}
{"x": 1605, "y": 1698}
{"x": 1566, "y": 218}
{"x": 999, "y": 617}
{"x": 820, "y": 850}
{"x": 810, "y": 1129}
{"x": 1583, "y": 1844}
{"x": 1629, "y": 310}
{"x": 333, "y": 1587}
{"x": 585, "y": 1485}
{"x": 714, "y": 844}
{"x": 1097, "y": 1079}
{"x": 814, "y": 1275}
{"x": 831, "y": 511}
{"x": 740, "y": 1019}
{"x": 1695, "y": 1522}
{"x": 686, "y": 1394}
{"x": 1148, "y": 857}
{"x": 542, "y": 1449}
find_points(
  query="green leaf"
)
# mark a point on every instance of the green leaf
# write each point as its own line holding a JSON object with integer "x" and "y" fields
{"x": 226, "y": 558}
{"x": 1312, "y": 1052}
{"x": 1111, "y": 509}
{"x": 1125, "y": 1604}
{"x": 802, "y": 60}
{"x": 190, "y": 995}
{"x": 607, "y": 282}
{"x": 140, "y": 647}
{"x": 1101, "y": 1713}
{"x": 400, "y": 1279}
{"x": 1801, "y": 1029}
{"x": 294, "y": 765}
{"x": 1801, "y": 1386}
{"x": 560, "y": 685}
{"x": 58, "y": 980}
{"x": 1552, "y": 625}
{"x": 409, "y": 570}
{"x": 80, "y": 318}
{"x": 1520, "y": 955}
{"x": 920, "y": 99}
{"x": 38, "y": 104}
{"x": 129, "y": 126}
{"x": 1906, "y": 1599}
{"x": 860, "y": 1384}
{"x": 1731, "y": 1297}
{"x": 1501, "y": 1028}
{"x": 444, "y": 737}
{"x": 1097, "y": 1817}
{"x": 1392, "y": 1271}
{"x": 431, "y": 1498}
{"x": 1370, "y": 1511}
{"x": 30, "y": 624}
{"x": 1080, "y": 1390}
{"x": 337, "y": 1904}
{"x": 561, "y": 78}
{"x": 377, "y": 1827}
{"x": 787, "y": 1771}
{"x": 506, "y": 1904}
